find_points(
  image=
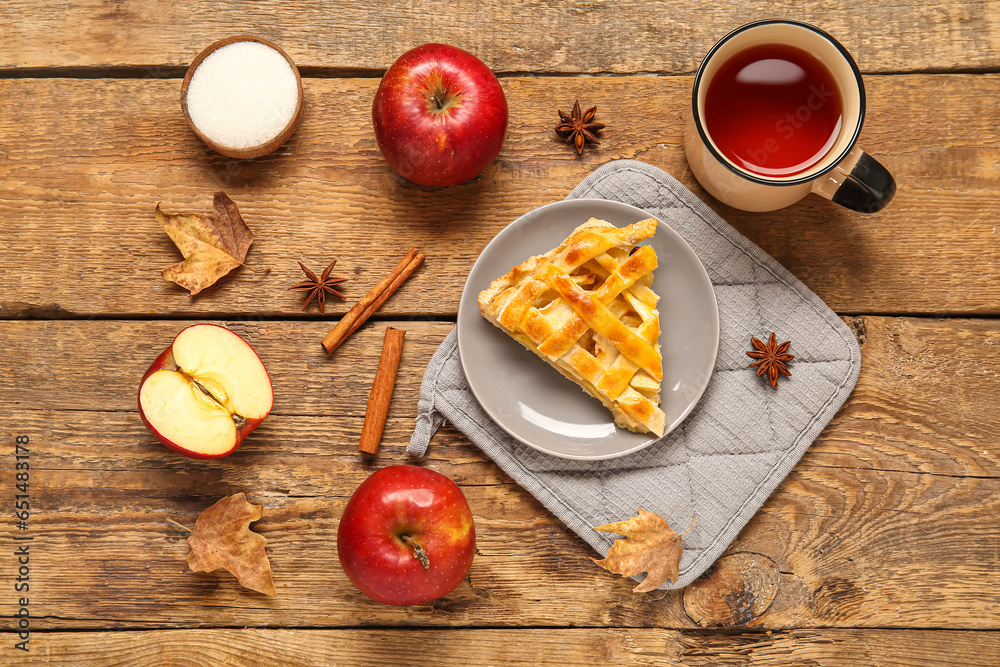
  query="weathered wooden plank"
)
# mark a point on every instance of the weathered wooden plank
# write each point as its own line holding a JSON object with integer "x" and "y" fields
{"x": 856, "y": 548}
{"x": 559, "y": 648}
{"x": 97, "y": 365}
{"x": 835, "y": 648}
{"x": 85, "y": 162}
{"x": 522, "y": 36}
{"x": 895, "y": 493}
{"x": 923, "y": 402}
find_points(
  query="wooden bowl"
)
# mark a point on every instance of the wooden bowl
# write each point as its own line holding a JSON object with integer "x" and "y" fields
{"x": 252, "y": 151}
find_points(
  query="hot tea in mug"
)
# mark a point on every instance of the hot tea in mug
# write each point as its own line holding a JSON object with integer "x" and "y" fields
{"x": 776, "y": 110}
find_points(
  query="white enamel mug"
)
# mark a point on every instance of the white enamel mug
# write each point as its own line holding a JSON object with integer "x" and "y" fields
{"x": 845, "y": 174}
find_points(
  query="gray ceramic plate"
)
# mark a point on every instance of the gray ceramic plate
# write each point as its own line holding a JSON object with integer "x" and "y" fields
{"x": 532, "y": 401}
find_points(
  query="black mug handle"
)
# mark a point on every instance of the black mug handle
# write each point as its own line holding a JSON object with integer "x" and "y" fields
{"x": 866, "y": 188}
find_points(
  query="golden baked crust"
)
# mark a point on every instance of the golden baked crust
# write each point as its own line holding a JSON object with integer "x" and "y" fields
{"x": 586, "y": 308}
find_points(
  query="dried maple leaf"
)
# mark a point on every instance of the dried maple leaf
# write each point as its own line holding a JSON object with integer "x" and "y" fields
{"x": 222, "y": 538}
{"x": 212, "y": 245}
{"x": 650, "y": 546}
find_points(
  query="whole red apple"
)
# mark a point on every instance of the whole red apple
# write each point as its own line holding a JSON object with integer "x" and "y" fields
{"x": 205, "y": 393}
{"x": 440, "y": 115}
{"x": 406, "y": 536}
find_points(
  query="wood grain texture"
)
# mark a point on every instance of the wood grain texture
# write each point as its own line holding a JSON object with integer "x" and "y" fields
{"x": 735, "y": 591}
{"x": 520, "y": 36}
{"x": 928, "y": 381}
{"x": 482, "y": 648}
{"x": 856, "y": 548}
{"x": 924, "y": 402}
{"x": 888, "y": 520}
{"x": 84, "y": 163}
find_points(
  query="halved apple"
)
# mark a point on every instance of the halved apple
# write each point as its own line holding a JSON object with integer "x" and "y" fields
{"x": 205, "y": 393}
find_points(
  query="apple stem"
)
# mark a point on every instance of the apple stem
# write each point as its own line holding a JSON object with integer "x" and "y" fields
{"x": 418, "y": 551}
{"x": 438, "y": 101}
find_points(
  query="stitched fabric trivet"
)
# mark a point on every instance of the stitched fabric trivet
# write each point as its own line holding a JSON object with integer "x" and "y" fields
{"x": 742, "y": 438}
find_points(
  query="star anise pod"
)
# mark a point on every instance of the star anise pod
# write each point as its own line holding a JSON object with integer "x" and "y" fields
{"x": 318, "y": 287}
{"x": 577, "y": 129}
{"x": 771, "y": 358}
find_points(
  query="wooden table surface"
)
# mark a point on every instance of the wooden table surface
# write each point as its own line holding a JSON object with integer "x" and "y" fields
{"x": 885, "y": 534}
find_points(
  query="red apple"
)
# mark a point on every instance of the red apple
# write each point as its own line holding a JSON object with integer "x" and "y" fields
{"x": 406, "y": 536}
{"x": 440, "y": 115}
{"x": 205, "y": 393}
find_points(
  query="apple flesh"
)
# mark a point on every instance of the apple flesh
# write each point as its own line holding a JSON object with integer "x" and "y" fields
{"x": 406, "y": 536}
{"x": 440, "y": 115}
{"x": 205, "y": 393}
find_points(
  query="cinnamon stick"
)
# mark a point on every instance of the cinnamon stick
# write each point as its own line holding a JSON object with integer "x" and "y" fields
{"x": 381, "y": 393}
{"x": 369, "y": 303}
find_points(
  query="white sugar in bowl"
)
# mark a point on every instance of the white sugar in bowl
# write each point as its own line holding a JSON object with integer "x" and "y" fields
{"x": 242, "y": 96}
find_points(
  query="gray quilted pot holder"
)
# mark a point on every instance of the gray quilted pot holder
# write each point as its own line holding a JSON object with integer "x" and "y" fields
{"x": 742, "y": 438}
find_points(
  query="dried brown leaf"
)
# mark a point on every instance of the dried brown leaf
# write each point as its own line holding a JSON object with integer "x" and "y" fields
{"x": 222, "y": 538}
{"x": 212, "y": 245}
{"x": 650, "y": 545}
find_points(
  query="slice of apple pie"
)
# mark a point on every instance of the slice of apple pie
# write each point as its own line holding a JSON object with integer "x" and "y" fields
{"x": 588, "y": 309}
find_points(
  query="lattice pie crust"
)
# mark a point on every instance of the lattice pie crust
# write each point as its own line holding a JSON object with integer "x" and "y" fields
{"x": 588, "y": 309}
